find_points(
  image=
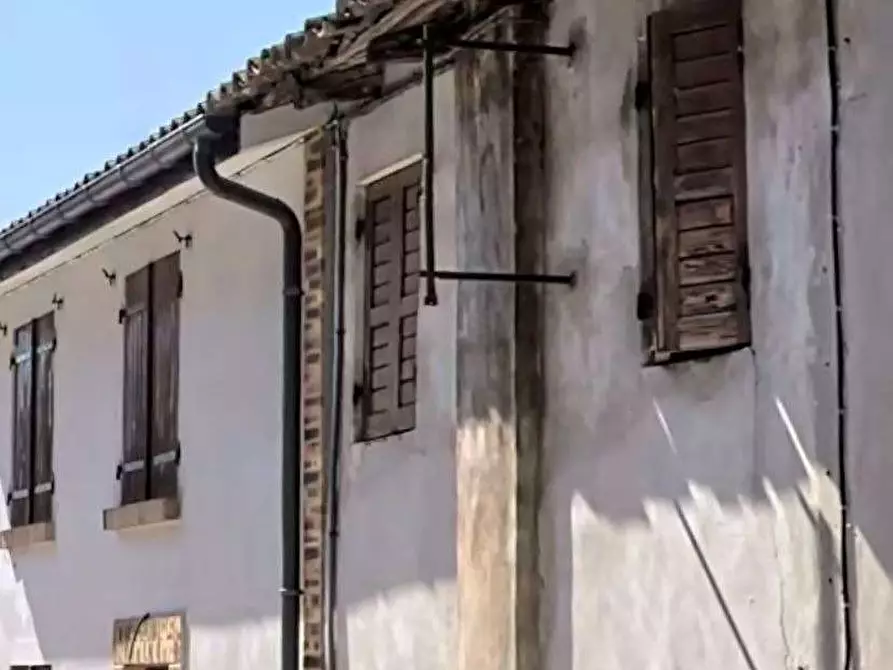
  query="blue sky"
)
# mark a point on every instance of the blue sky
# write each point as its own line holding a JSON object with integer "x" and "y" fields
{"x": 83, "y": 79}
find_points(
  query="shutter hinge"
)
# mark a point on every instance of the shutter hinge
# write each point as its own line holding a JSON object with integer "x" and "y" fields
{"x": 122, "y": 315}
{"x": 359, "y": 392}
{"x": 642, "y": 95}
{"x": 180, "y": 284}
{"x": 46, "y": 487}
{"x": 170, "y": 456}
{"x": 359, "y": 228}
{"x": 644, "y": 305}
{"x": 745, "y": 278}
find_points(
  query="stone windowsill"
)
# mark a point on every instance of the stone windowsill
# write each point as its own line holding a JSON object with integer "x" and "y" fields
{"x": 24, "y": 536}
{"x": 143, "y": 513}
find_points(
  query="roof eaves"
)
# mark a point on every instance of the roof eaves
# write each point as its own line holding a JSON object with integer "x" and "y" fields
{"x": 326, "y": 61}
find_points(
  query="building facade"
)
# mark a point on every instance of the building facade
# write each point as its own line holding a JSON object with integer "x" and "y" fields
{"x": 677, "y": 461}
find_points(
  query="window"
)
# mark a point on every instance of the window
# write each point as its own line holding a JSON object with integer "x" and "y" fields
{"x": 387, "y": 389}
{"x": 30, "y": 499}
{"x": 695, "y": 294}
{"x": 151, "y": 318}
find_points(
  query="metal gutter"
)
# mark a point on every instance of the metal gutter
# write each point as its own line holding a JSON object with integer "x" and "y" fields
{"x": 93, "y": 194}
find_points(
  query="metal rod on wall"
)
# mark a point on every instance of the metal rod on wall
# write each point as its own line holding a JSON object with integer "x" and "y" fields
{"x": 511, "y": 47}
{"x": 428, "y": 82}
{"x": 512, "y": 277}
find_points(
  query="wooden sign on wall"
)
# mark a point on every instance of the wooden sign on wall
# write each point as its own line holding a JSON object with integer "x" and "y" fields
{"x": 148, "y": 641}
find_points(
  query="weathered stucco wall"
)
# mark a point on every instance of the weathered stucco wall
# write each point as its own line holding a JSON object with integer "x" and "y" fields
{"x": 221, "y": 562}
{"x": 397, "y": 544}
{"x": 689, "y": 517}
{"x": 866, "y": 202}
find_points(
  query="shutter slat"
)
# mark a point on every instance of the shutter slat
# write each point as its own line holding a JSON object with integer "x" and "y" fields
{"x": 705, "y": 213}
{"x": 706, "y": 42}
{"x": 705, "y": 71}
{"x": 703, "y": 185}
{"x": 20, "y": 505}
{"x": 699, "y": 180}
{"x": 709, "y": 126}
{"x": 705, "y": 99}
{"x": 45, "y": 331}
{"x": 165, "y": 374}
{"x": 695, "y": 300}
{"x": 134, "y": 482}
{"x": 707, "y": 269}
{"x": 697, "y": 333}
{"x": 705, "y": 241}
{"x": 704, "y": 155}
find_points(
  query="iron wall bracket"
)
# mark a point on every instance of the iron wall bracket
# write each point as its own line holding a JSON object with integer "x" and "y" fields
{"x": 510, "y": 277}
{"x": 430, "y": 43}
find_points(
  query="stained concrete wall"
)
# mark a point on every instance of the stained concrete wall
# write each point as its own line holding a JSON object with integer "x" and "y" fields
{"x": 866, "y": 202}
{"x": 397, "y": 545}
{"x": 221, "y": 562}
{"x": 690, "y": 516}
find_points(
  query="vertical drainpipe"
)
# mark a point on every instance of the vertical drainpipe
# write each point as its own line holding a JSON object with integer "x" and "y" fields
{"x": 846, "y": 536}
{"x": 292, "y": 314}
{"x": 335, "y": 363}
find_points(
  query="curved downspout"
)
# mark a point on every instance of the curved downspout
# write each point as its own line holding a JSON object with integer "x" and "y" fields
{"x": 335, "y": 419}
{"x": 292, "y": 443}
{"x": 840, "y": 337}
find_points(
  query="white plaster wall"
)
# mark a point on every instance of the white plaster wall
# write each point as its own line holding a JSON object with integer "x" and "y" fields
{"x": 397, "y": 555}
{"x": 689, "y": 517}
{"x": 221, "y": 562}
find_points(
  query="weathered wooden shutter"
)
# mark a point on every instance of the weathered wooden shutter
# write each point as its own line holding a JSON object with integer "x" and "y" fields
{"x": 700, "y": 180}
{"x": 23, "y": 426}
{"x": 164, "y": 445}
{"x": 43, "y": 481}
{"x": 391, "y": 299}
{"x": 137, "y": 343}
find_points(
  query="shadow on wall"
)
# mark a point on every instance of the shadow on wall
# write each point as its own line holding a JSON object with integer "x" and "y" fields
{"x": 689, "y": 499}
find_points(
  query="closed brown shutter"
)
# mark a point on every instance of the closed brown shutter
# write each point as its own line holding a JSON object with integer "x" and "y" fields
{"x": 164, "y": 446}
{"x": 43, "y": 481}
{"x": 23, "y": 427}
{"x": 700, "y": 181}
{"x": 391, "y": 304}
{"x": 137, "y": 324}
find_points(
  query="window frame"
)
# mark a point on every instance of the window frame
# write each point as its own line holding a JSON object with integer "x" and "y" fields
{"x": 399, "y": 417}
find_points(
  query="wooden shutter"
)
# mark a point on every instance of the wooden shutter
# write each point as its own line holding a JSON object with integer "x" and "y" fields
{"x": 43, "y": 481}
{"x": 164, "y": 446}
{"x": 700, "y": 181}
{"x": 137, "y": 323}
{"x": 391, "y": 304}
{"x": 23, "y": 426}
